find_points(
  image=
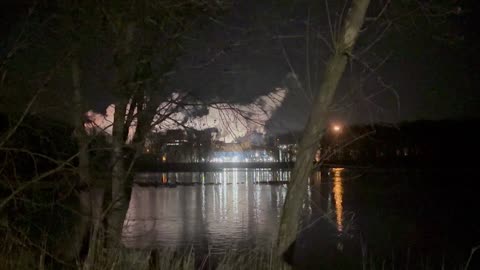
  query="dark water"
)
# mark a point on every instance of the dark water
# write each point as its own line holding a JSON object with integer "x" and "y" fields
{"x": 396, "y": 217}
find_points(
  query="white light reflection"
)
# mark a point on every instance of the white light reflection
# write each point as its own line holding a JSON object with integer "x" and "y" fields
{"x": 224, "y": 195}
{"x": 235, "y": 191}
{"x": 233, "y": 210}
{"x": 308, "y": 201}
{"x": 204, "y": 203}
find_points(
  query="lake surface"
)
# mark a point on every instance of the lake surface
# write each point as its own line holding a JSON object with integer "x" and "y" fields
{"x": 225, "y": 208}
{"x": 401, "y": 215}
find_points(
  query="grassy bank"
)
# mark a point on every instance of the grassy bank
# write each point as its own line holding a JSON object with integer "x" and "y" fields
{"x": 20, "y": 253}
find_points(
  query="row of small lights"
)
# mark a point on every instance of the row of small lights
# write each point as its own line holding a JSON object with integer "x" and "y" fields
{"x": 336, "y": 128}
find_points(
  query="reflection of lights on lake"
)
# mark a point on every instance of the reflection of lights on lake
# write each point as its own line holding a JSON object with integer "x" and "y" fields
{"x": 234, "y": 209}
{"x": 338, "y": 195}
{"x": 164, "y": 178}
{"x": 235, "y": 201}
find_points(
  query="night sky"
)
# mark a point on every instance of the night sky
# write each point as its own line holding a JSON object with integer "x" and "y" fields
{"x": 424, "y": 64}
{"x": 429, "y": 71}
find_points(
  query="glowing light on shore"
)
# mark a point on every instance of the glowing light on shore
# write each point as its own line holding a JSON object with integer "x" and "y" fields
{"x": 337, "y": 128}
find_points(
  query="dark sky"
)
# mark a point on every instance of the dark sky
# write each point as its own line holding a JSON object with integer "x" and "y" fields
{"x": 429, "y": 71}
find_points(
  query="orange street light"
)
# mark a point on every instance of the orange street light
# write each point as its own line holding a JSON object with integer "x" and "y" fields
{"x": 337, "y": 128}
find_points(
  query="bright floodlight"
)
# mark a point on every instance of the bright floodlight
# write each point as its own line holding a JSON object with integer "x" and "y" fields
{"x": 337, "y": 128}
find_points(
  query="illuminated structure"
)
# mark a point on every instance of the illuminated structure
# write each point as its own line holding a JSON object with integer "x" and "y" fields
{"x": 250, "y": 155}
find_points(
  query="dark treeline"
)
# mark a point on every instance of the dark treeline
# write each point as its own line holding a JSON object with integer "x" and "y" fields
{"x": 37, "y": 189}
{"x": 39, "y": 185}
{"x": 418, "y": 143}
{"x": 41, "y": 143}
{"x": 34, "y": 139}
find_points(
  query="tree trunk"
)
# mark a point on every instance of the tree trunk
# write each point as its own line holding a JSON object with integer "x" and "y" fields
{"x": 80, "y": 134}
{"x": 119, "y": 198}
{"x": 119, "y": 195}
{"x": 95, "y": 198}
{"x": 81, "y": 228}
{"x": 317, "y": 123}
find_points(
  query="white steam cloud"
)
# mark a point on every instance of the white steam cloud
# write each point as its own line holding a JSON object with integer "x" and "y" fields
{"x": 232, "y": 121}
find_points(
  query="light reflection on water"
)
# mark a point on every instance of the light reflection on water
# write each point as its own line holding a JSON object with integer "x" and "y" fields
{"x": 338, "y": 195}
{"x": 232, "y": 206}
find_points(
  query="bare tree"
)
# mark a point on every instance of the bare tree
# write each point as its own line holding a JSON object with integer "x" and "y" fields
{"x": 317, "y": 122}
{"x": 145, "y": 39}
{"x": 139, "y": 31}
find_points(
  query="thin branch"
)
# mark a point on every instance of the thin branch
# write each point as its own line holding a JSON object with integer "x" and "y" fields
{"x": 330, "y": 27}
{"x": 307, "y": 56}
{"x": 378, "y": 38}
{"x": 32, "y": 154}
{"x": 373, "y": 19}
{"x": 30, "y": 103}
{"x": 35, "y": 180}
{"x": 292, "y": 70}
